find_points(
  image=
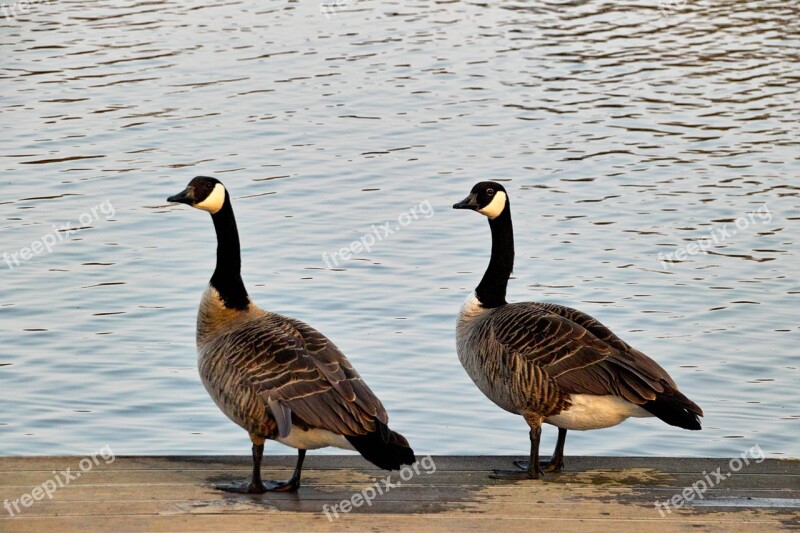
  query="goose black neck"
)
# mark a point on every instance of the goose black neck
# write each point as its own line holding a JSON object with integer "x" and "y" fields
{"x": 492, "y": 289}
{"x": 227, "y": 278}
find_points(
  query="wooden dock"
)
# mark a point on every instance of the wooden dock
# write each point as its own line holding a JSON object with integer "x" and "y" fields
{"x": 593, "y": 494}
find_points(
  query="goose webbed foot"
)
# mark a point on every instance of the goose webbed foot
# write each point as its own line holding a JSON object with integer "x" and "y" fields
{"x": 293, "y": 483}
{"x": 243, "y": 488}
{"x": 290, "y": 485}
{"x": 256, "y": 486}
{"x": 554, "y": 465}
{"x": 532, "y": 469}
{"x": 517, "y": 474}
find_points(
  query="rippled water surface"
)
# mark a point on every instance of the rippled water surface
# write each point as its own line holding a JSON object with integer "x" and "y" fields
{"x": 622, "y": 131}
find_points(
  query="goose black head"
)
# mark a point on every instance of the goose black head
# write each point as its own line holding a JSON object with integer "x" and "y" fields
{"x": 488, "y": 198}
{"x": 203, "y": 193}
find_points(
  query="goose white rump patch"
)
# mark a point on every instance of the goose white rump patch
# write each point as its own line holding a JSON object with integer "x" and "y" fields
{"x": 215, "y": 200}
{"x": 495, "y": 207}
{"x": 596, "y": 412}
{"x": 314, "y": 439}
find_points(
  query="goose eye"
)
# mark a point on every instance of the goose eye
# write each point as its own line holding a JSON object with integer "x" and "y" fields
{"x": 490, "y": 192}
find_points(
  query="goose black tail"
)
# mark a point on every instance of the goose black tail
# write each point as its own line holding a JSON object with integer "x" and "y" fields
{"x": 384, "y": 448}
{"x": 675, "y": 409}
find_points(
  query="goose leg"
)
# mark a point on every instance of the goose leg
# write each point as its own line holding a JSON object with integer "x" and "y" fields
{"x": 556, "y": 463}
{"x": 256, "y": 486}
{"x": 293, "y": 483}
{"x": 534, "y": 469}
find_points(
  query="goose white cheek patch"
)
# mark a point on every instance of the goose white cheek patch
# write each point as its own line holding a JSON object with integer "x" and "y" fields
{"x": 215, "y": 200}
{"x": 495, "y": 207}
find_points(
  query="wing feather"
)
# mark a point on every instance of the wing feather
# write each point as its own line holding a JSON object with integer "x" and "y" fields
{"x": 582, "y": 355}
{"x": 296, "y": 368}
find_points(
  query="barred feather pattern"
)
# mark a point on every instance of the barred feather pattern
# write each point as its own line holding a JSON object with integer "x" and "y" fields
{"x": 529, "y": 357}
{"x": 261, "y": 357}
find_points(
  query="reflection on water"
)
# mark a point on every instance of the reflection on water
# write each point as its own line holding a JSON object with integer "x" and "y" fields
{"x": 625, "y": 133}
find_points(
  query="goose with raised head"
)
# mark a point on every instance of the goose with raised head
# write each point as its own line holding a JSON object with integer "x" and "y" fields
{"x": 277, "y": 377}
{"x": 549, "y": 363}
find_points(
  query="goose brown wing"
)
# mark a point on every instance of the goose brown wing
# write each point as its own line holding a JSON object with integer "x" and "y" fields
{"x": 588, "y": 322}
{"x": 626, "y": 356}
{"x": 579, "y": 353}
{"x": 295, "y": 366}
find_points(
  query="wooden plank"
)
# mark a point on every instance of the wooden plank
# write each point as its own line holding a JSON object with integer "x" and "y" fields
{"x": 361, "y": 523}
{"x": 594, "y": 507}
{"x": 357, "y": 479}
{"x": 443, "y": 463}
{"x": 333, "y": 493}
{"x": 595, "y": 494}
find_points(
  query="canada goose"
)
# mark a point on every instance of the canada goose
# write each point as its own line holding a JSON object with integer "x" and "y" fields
{"x": 275, "y": 376}
{"x": 551, "y": 363}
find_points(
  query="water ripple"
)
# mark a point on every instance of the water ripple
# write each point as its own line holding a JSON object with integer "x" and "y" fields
{"x": 623, "y": 130}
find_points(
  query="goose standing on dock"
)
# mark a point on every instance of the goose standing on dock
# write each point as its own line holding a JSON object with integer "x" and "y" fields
{"x": 275, "y": 376}
{"x": 551, "y": 363}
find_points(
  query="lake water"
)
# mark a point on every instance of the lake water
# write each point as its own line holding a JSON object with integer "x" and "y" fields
{"x": 621, "y": 131}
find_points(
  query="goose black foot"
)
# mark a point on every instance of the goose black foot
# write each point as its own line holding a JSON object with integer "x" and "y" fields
{"x": 531, "y": 469}
{"x": 290, "y": 485}
{"x": 556, "y": 462}
{"x": 256, "y": 486}
{"x": 516, "y": 474}
{"x": 554, "y": 465}
{"x": 243, "y": 488}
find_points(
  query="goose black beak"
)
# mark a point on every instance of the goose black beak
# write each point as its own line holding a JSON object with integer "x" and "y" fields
{"x": 186, "y": 196}
{"x": 470, "y": 202}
